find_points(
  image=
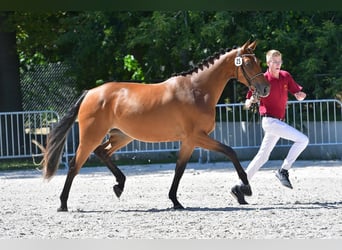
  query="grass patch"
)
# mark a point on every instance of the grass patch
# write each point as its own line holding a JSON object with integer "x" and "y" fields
{"x": 17, "y": 164}
{"x": 120, "y": 160}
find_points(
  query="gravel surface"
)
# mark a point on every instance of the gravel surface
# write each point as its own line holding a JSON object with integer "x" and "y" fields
{"x": 312, "y": 210}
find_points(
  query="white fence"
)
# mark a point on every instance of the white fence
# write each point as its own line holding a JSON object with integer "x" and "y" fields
{"x": 17, "y": 129}
{"x": 320, "y": 120}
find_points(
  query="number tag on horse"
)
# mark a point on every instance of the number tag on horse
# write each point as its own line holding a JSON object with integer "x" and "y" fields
{"x": 238, "y": 61}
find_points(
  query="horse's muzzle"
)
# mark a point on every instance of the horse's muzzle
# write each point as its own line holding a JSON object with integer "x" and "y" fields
{"x": 263, "y": 91}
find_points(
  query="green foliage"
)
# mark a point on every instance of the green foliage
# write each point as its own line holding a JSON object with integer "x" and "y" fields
{"x": 36, "y": 36}
{"x": 132, "y": 65}
{"x": 150, "y": 46}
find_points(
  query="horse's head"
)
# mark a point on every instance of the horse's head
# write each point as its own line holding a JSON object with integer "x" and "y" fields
{"x": 249, "y": 71}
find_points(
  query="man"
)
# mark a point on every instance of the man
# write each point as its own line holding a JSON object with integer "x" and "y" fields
{"x": 272, "y": 109}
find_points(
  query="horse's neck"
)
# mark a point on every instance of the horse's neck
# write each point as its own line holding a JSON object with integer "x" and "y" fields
{"x": 214, "y": 78}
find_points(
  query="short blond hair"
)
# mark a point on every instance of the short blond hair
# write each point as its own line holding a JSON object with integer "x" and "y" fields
{"x": 271, "y": 53}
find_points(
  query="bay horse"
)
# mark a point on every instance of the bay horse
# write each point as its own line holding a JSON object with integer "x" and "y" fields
{"x": 181, "y": 108}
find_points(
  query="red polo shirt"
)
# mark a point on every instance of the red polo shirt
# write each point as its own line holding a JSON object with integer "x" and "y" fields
{"x": 275, "y": 103}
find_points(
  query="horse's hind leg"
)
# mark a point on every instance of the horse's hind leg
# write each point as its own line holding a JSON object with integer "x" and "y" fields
{"x": 183, "y": 158}
{"x": 103, "y": 154}
{"x": 67, "y": 185}
{"x": 91, "y": 135}
{"x": 75, "y": 164}
{"x": 116, "y": 141}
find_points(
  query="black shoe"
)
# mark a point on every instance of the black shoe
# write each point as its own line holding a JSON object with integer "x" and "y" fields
{"x": 283, "y": 176}
{"x": 238, "y": 195}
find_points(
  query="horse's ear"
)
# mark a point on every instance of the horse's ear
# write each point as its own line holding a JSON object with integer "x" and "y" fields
{"x": 252, "y": 45}
{"x": 246, "y": 44}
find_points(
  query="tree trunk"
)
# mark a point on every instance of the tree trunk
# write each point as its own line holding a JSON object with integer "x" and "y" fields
{"x": 10, "y": 94}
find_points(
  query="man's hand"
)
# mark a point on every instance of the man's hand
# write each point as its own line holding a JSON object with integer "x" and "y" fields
{"x": 300, "y": 96}
{"x": 250, "y": 101}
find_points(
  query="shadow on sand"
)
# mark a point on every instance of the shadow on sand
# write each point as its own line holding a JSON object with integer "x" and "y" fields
{"x": 295, "y": 206}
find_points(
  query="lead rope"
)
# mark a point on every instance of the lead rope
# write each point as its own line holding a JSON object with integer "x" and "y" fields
{"x": 255, "y": 105}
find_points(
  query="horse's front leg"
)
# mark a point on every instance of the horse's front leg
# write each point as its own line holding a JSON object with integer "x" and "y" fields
{"x": 207, "y": 142}
{"x": 183, "y": 158}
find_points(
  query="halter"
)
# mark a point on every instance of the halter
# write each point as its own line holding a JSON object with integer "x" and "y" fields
{"x": 239, "y": 62}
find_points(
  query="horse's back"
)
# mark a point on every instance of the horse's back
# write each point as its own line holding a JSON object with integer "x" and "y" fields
{"x": 131, "y": 107}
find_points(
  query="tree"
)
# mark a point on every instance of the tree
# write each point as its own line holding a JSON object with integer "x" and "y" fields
{"x": 100, "y": 46}
{"x": 10, "y": 95}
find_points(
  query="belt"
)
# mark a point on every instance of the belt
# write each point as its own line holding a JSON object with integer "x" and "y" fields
{"x": 266, "y": 115}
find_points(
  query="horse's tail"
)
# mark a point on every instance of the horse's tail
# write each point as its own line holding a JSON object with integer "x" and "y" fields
{"x": 56, "y": 140}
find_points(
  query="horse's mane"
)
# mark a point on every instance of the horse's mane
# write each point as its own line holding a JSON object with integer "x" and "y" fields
{"x": 206, "y": 62}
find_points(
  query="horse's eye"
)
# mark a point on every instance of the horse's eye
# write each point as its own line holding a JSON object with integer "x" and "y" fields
{"x": 248, "y": 63}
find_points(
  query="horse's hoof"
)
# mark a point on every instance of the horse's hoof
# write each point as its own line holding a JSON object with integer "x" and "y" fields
{"x": 117, "y": 190}
{"x": 246, "y": 189}
{"x": 62, "y": 209}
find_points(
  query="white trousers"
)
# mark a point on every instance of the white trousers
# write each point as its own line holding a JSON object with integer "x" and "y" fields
{"x": 275, "y": 129}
